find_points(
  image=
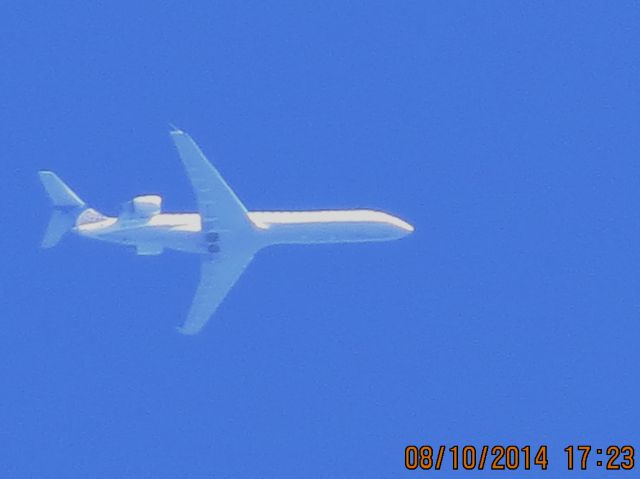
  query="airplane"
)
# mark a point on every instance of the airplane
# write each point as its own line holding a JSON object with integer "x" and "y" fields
{"x": 222, "y": 232}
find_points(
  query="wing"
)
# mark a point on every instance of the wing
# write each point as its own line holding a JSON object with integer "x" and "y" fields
{"x": 217, "y": 277}
{"x": 219, "y": 207}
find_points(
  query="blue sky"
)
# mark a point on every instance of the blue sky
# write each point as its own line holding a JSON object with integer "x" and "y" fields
{"x": 506, "y": 132}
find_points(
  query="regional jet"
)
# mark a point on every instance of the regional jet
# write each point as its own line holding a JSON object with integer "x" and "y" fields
{"x": 223, "y": 233}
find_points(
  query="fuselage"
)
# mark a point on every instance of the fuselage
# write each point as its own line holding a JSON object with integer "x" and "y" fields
{"x": 183, "y": 231}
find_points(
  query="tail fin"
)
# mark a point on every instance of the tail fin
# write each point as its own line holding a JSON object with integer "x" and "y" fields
{"x": 67, "y": 206}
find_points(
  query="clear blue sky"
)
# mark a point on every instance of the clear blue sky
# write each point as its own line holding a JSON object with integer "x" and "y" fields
{"x": 506, "y": 132}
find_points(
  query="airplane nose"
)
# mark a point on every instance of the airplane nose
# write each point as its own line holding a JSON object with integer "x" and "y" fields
{"x": 406, "y": 227}
{"x": 397, "y": 228}
{"x": 401, "y": 226}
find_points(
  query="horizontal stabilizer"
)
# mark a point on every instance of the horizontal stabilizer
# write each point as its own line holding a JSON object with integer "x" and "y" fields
{"x": 67, "y": 206}
{"x": 60, "y": 194}
{"x": 59, "y": 224}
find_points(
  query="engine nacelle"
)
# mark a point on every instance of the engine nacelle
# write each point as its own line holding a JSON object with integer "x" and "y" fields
{"x": 141, "y": 207}
{"x": 148, "y": 205}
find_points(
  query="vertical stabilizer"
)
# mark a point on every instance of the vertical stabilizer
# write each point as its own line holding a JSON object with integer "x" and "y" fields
{"x": 67, "y": 206}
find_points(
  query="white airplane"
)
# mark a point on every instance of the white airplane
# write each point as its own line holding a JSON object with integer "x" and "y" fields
{"x": 222, "y": 232}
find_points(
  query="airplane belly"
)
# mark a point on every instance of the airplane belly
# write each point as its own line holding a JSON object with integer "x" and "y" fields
{"x": 328, "y": 226}
{"x": 332, "y": 232}
{"x": 153, "y": 238}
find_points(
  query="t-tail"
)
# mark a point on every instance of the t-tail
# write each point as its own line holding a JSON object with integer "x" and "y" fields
{"x": 67, "y": 206}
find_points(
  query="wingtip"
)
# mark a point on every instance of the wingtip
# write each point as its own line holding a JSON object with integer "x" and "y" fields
{"x": 175, "y": 130}
{"x": 186, "y": 332}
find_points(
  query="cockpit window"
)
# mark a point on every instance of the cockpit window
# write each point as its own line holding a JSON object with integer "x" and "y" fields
{"x": 89, "y": 216}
